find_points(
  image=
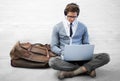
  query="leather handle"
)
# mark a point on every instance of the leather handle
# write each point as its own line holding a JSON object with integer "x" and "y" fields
{"x": 26, "y": 48}
{"x": 44, "y": 48}
{"x": 31, "y": 46}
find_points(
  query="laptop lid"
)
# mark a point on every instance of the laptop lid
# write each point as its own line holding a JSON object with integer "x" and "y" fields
{"x": 78, "y": 52}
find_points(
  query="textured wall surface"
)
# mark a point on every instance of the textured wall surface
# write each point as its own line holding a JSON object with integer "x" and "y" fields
{"x": 33, "y": 20}
{"x": 28, "y": 20}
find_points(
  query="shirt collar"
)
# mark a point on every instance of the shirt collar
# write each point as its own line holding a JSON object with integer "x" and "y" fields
{"x": 66, "y": 24}
{"x": 75, "y": 22}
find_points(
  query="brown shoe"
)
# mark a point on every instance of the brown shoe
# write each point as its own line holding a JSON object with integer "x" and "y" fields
{"x": 65, "y": 74}
{"x": 92, "y": 74}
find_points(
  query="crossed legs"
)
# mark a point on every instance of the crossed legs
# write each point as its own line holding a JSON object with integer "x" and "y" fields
{"x": 69, "y": 69}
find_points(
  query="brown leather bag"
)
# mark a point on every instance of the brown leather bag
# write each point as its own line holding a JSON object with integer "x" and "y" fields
{"x": 29, "y": 55}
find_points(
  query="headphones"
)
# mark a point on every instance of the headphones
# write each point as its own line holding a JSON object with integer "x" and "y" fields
{"x": 71, "y": 4}
{"x": 65, "y": 12}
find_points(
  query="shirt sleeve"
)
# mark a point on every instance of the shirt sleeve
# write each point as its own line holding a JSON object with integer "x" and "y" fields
{"x": 55, "y": 41}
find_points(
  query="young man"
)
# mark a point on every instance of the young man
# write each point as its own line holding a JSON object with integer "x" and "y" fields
{"x": 71, "y": 31}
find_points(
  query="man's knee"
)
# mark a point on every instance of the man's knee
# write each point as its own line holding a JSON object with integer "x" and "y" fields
{"x": 51, "y": 62}
{"x": 106, "y": 57}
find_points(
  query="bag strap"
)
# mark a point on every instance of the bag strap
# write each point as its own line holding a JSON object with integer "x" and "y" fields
{"x": 39, "y": 44}
{"x": 28, "y": 49}
{"x": 23, "y": 46}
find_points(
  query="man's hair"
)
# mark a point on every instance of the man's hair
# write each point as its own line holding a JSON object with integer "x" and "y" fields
{"x": 72, "y": 7}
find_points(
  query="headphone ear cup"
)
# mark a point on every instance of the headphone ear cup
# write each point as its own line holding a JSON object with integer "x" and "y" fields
{"x": 65, "y": 12}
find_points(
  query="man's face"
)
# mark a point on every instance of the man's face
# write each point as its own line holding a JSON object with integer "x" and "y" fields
{"x": 71, "y": 16}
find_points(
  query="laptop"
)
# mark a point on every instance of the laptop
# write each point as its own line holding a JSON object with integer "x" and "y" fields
{"x": 78, "y": 52}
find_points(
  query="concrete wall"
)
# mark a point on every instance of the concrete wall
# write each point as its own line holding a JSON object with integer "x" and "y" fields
{"x": 33, "y": 20}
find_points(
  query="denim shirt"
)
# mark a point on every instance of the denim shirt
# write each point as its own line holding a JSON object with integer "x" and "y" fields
{"x": 60, "y": 37}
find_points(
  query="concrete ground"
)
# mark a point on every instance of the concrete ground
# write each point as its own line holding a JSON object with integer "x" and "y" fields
{"x": 109, "y": 72}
